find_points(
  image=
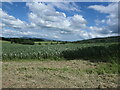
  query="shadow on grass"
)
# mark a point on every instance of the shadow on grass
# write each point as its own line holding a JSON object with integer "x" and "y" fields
{"x": 94, "y": 53}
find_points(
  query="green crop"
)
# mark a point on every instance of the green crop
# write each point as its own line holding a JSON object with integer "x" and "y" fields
{"x": 60, "y": 51}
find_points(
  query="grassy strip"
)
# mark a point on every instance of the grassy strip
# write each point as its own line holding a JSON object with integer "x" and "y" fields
{"x": 33, "y": 60}
{"x": 101, "y": 70}
{"x": 108, "y": 68}
{"x": 53, "y": 69}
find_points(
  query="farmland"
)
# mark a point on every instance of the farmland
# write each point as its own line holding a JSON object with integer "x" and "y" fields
{"x": 60, "y": 44}
{"x": 18, "y": 51}
{"x": 64, "y": 63}
{"x": 55, "y": 74}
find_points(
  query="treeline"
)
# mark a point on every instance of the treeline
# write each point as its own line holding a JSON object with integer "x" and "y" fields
{"x": 19, "y": 40}
{"x": 100, "y": 40}
{"x": 22, "y": 41}
{"x": 53, "y": 43}
{"x": 32, "y": 39}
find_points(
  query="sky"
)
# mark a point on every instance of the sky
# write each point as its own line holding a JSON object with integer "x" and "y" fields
{"x": 66, "y": 21}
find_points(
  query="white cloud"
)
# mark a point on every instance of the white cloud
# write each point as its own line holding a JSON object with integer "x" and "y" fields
{"x": 96, "y": 32}
{"x": 69, "y": 6}
{"x": 110, "y": 9}
{"x": 46, "y": 22}
{"x": 45, "y": 15}
{"x": 100, "y": 30}
{"x": 78, "y": 22}
{"x": 51, "y": 20}
{"x": 10, "y": 21}
{"x": 111, "y": 20}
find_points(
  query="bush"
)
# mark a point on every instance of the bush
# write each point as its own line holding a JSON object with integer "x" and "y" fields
{"x": 39, "y": 43}
{"x": 27, "y": 42}
{"x": 98, "y": 53}
{"x": 22, "y": 41}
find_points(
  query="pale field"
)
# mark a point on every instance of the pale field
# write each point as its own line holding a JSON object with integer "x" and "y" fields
{"x": 54, "y": 74}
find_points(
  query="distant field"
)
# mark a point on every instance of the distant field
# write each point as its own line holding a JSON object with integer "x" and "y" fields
{"x": 47, "y": 42}
{"x": 1, "y": 42}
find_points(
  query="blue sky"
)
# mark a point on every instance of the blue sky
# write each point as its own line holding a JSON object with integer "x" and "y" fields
{"x": 69, "y": 21}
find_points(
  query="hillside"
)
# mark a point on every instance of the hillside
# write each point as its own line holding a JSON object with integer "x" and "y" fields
{"x": 100, "y": 40}
{"x": 93, "y": 40}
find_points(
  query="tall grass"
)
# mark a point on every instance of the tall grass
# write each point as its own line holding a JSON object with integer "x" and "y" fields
{"x": 108, "y": 68}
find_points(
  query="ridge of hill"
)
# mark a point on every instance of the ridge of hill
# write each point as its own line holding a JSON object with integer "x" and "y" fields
{"x": 93, "y": 40}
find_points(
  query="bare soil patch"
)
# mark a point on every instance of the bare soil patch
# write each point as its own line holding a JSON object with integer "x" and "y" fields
{"x": 54, "y": 74}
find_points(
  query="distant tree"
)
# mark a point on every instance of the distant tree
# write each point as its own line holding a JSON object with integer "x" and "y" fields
{"x": 28, "y": 42}
{"x": 22, "y": 41}
{"x": 46, "y": 43}
{"x": 51, "y": 43}
{"x": 39, "y": 43}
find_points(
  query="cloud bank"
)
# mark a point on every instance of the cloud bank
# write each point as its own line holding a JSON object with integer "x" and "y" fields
{"x": 45, "y": 21}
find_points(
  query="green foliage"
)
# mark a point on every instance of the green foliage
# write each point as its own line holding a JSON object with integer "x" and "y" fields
{"x": 96, "y": 52}
{"x": 39, "y": 43}
{"x": 108, "y": 68}
{"x": 100, "y": 40}
{"x": 22, "y": 41}
{"x": 102, "y": 52}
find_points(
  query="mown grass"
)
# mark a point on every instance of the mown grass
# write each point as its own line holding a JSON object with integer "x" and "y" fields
{"x": 108, "y": 68}
{"x": 100, "y": 69}
{"x": 55, "y": 74}
{"x": 53, "y": 69}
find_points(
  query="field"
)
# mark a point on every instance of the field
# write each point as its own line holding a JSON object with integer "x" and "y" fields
{"x": 61, "y": 44}
{"x": 46, "y": 42}
{"x": 87, "y": 65}
{"x": 55, "y": 74}
{"x": 68, "y": 51}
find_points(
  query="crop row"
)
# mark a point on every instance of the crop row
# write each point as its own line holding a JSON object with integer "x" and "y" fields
{"x": 66, "y": 51}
